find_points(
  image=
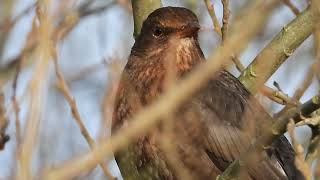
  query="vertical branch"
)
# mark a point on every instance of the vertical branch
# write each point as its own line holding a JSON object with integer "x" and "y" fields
{"x": 16, "y": 104}
{"x": 299, "y": 159}
{"x": 212, "y": 13}
{"x": 37, "y": 85}
{"x": 141, "y": 10}
{"x": 225, "y": 19}
{"x": 5, "y": 14}
{"x": 3, "y": 123}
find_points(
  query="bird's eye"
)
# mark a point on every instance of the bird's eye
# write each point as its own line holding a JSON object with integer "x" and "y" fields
{"x": 157, "y": 32}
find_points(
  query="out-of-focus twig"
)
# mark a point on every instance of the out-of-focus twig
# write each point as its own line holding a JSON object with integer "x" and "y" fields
{"x": 126, "y": 4}
{"x": 16, "y": 104}
{"x": 277, "y": 96}
{"x": 299, "y": 159}
{"x": 75, "y": 113}
{"x": 9, "y": 23}
{"x": 298, "y": 93}
{"x": 173, "y": 98}
{"x": 268, "y": 136}
{"x": 291, "y": 6}
{"x": 6, "y": 10}
{"x": 4, "y": 138}
{"x": 63, "y": 27}
{"x": 212, "y": 13}
{"x": 37, "y": 85}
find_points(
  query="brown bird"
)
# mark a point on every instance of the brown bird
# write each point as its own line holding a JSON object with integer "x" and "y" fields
{"x": 210, "y": 130}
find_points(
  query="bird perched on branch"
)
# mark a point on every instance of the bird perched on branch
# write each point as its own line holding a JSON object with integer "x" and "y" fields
{"x": 210, "y": 130}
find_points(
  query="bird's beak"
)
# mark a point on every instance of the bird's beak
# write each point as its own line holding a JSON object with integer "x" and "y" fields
{"x": 190, "y": 30}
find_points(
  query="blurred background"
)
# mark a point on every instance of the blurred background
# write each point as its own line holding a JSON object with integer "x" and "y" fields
{"x": 86, "y": 56}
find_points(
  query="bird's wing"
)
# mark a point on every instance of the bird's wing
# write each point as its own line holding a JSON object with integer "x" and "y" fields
{"x": 233, "y": 119}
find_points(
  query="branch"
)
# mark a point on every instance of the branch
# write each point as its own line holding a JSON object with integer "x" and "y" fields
{"x": 68, "y": 22}
{"x": 212, "y": 13}
{"x": 141, "y": 10}
{"x": 225, "y": 19}
{"x": 277, "y": 51}
{"x": 267, "y": 137}
{"x": 76, "y": 115}
{"x": 291, "y": 6}
{"x": 173, "y": 98}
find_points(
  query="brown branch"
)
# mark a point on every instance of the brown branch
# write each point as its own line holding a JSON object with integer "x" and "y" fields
{"x": 75, "y": 113}
{"x": 16, "y": 104}
{"x": 68, "y": 22}
{"x": 299, "y": 92}
{"x": 9, "y": 23}
{"x": 268, "y": 136}
{"x": 212, "y": 13}
{"x": 4, "y": 138}
{"x": 301, "y": 165}
{"x": 173, "y": 98}
{"x": 291, "y": 6}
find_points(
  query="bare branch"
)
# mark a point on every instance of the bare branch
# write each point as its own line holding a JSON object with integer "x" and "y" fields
{"x": 75, "y": 113}
{"x": 277, "y": 51}
{"x": 141, "y": 10}
{"x": 212, "y": 13}
{"x": 291, "y": 6}
{"x": 299, "y": 159}
{"x": 268, "y": 136}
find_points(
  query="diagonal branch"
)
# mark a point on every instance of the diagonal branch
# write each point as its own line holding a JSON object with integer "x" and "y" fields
{"x": 277, "y": 51}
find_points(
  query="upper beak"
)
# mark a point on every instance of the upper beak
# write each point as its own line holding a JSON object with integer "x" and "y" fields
{"x": 190, "y": 30}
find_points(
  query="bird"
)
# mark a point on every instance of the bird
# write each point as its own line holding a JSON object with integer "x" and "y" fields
{"x": 210, "y": 129}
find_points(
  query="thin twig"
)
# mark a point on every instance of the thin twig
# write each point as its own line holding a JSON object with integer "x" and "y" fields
{"x": 75, "y": 113}
{"x": 291, "y": 6}
{"x": 277, "y": 96}
{"x": 8, "y": 24}
{"x": 4, "y": 138}
{"x": 225, "y": 19}
{"x": 298, "y": 93}
{"x": 299, "y": 159}
{"x": 16, "y": 104}
{"x": 212, "y": 13}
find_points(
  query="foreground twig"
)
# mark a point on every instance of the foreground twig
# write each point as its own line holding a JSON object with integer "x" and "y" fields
{"x": 299, "y": 151}
{"x": 212, "y": 13}
{"x": 37, "y": 86}
{"x": 268, "y": 136}
{"x": 291, "y": 6}
{"x": 16, "y": 104}
{"x": 75, "y": 113}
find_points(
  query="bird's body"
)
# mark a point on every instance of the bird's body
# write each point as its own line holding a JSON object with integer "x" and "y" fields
{"x": 210, "y": 130}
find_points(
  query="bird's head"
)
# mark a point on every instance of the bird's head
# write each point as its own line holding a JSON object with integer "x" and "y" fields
{"x": 165, "y": 24}
{"x": 168, "y": 37}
